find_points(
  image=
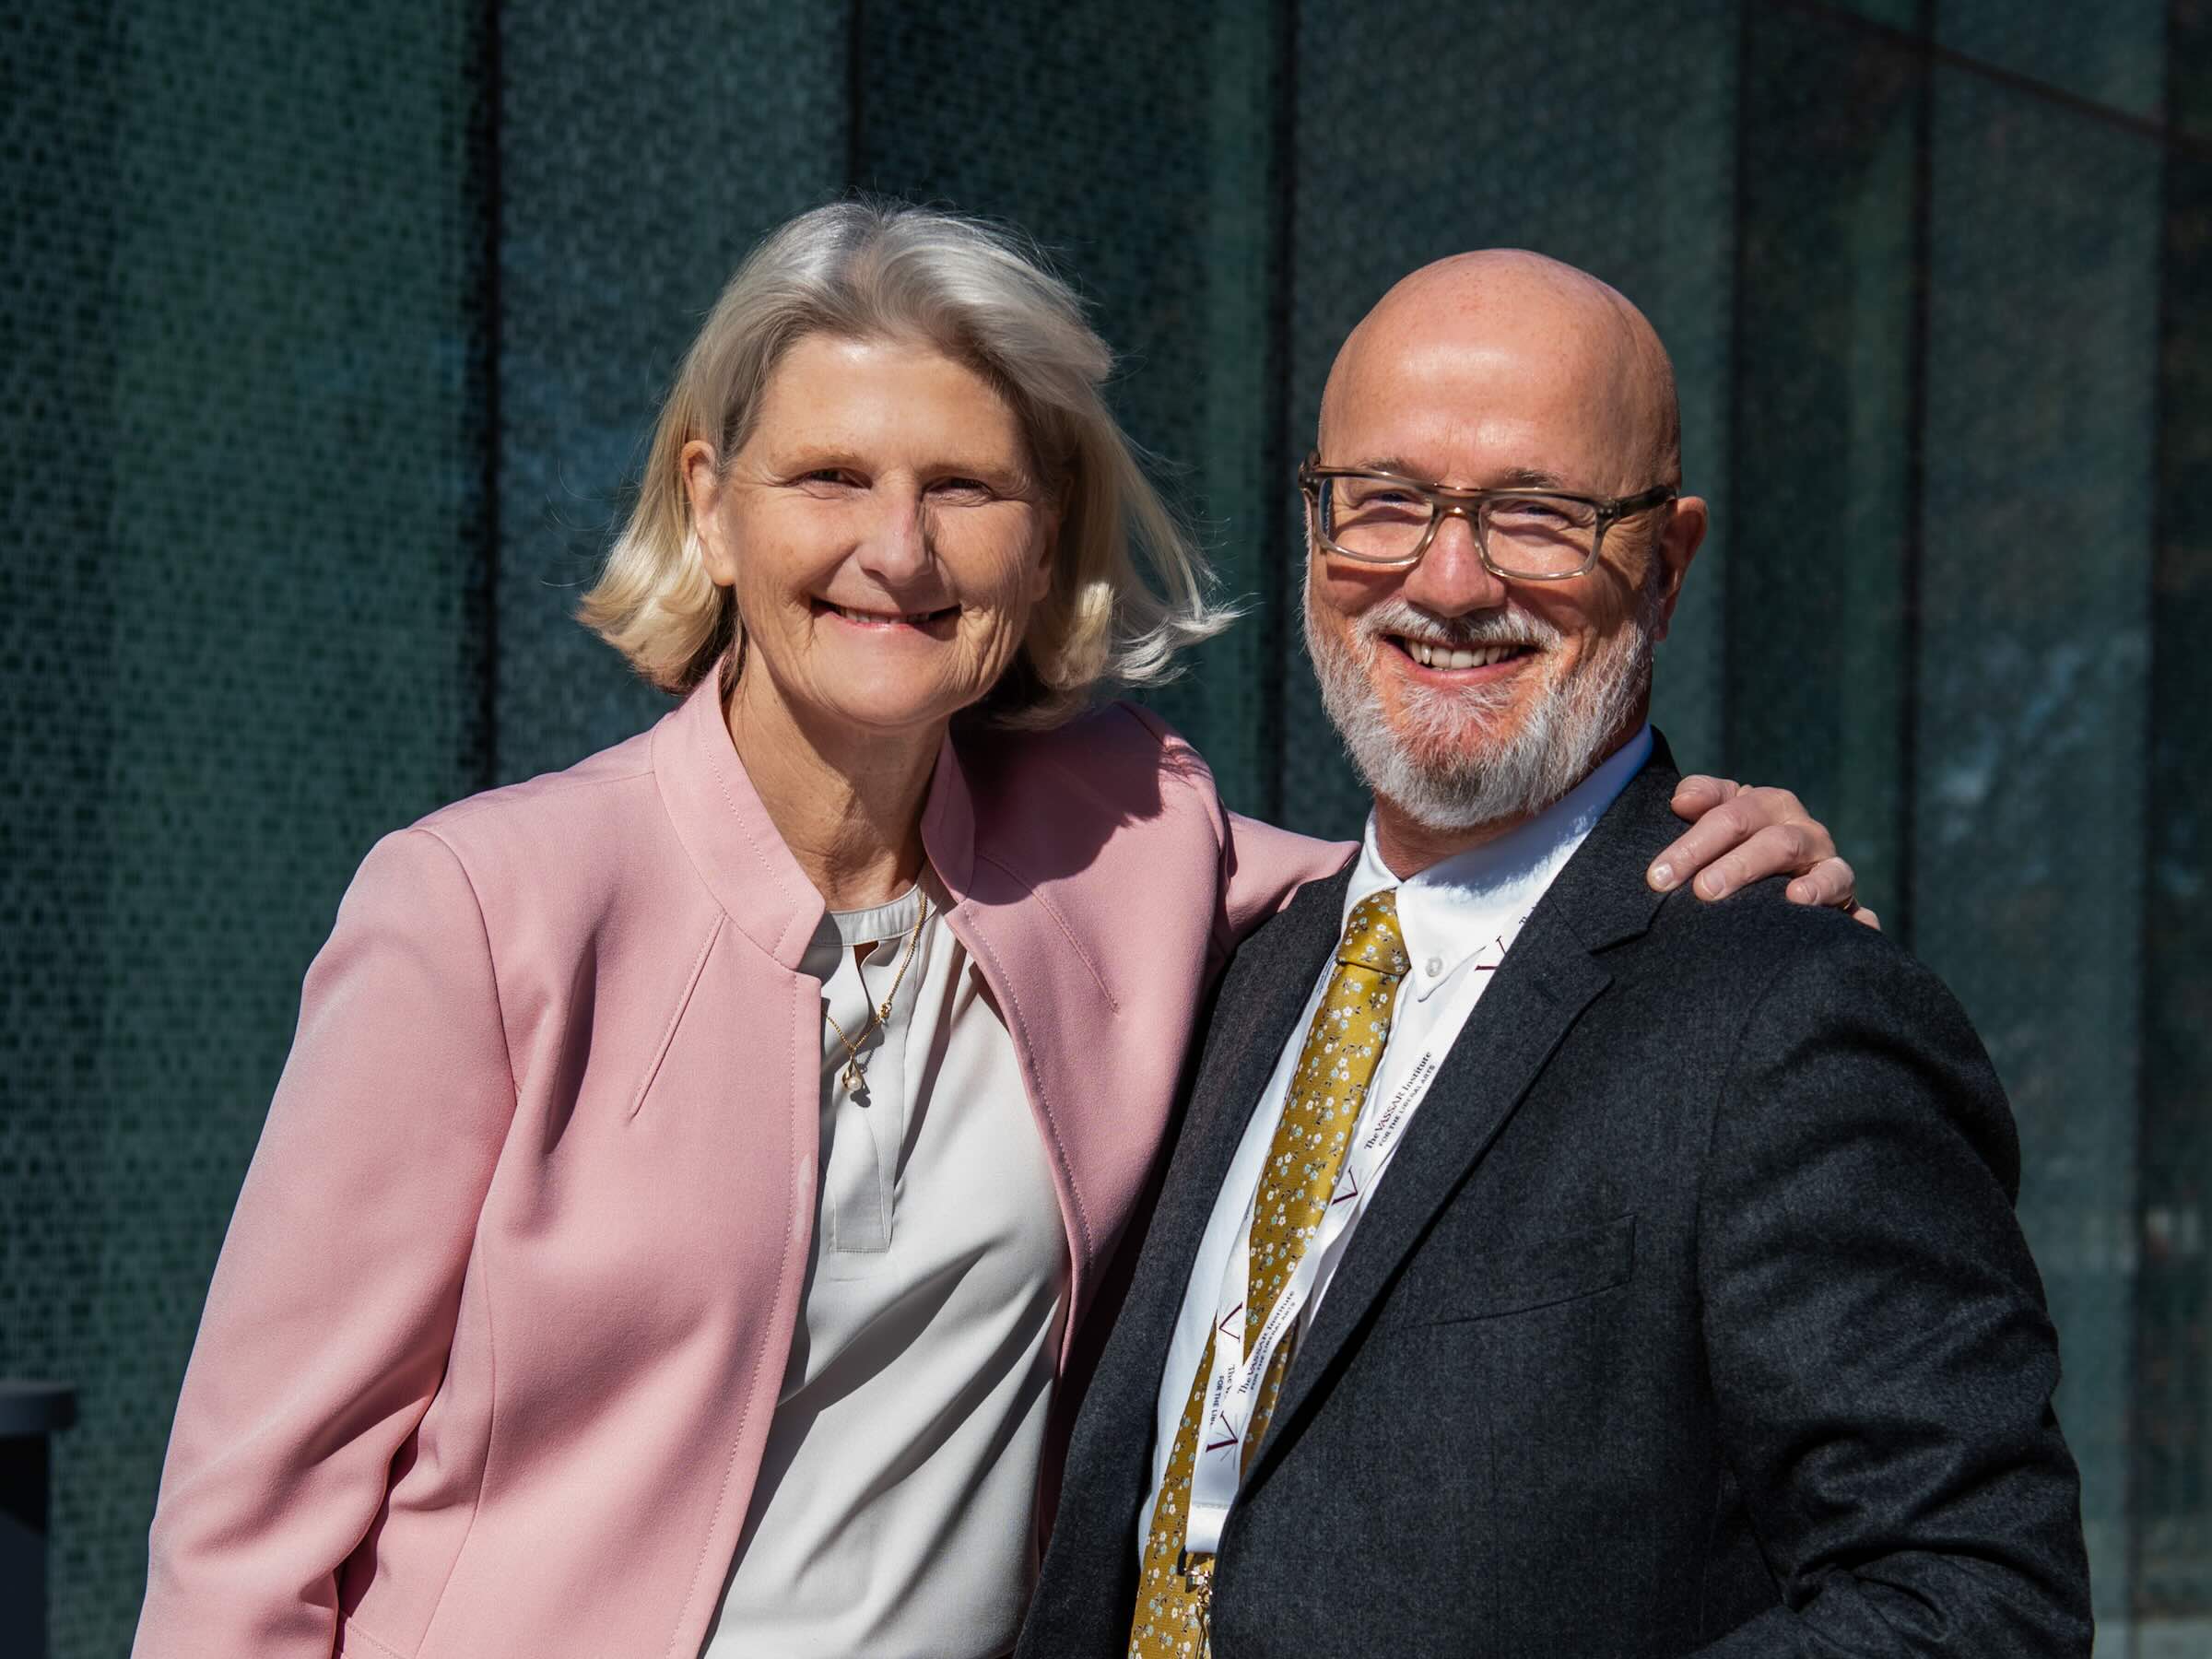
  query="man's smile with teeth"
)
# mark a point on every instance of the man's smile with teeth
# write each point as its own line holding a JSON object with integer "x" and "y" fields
{"x": 1432, "y": 655}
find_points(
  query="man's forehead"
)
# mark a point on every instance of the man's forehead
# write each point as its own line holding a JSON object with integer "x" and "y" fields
{"x": 1468, "y": 410}
{"x": 1485, "y": 361}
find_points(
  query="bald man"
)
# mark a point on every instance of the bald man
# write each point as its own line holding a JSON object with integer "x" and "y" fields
{"x": 1548, "y": 1266}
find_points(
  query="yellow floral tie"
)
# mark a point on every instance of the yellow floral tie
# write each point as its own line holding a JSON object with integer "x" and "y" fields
{"x": 1342, "y": 1047}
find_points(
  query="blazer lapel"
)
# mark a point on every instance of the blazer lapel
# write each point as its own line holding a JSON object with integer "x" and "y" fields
{"x": 1547, "y": 980}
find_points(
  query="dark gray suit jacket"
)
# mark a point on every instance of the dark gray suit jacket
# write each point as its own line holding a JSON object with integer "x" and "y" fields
{"x": 1691, "y": 1317}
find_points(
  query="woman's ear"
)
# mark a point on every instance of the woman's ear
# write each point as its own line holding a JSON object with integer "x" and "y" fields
{"x": 1055, "y": 515}
{"x": 703, "y": 487}
{"x": 1040, "y": 573}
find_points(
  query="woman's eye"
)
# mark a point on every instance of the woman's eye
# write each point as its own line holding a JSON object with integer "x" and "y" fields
{"x": 836, "y": 475}
{"x": 960, "y": 487}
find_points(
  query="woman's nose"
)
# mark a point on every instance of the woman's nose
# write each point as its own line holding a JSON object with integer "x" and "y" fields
{"x": 896, "y": 546}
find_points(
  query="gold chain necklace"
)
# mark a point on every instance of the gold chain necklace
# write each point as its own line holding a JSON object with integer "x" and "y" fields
{"x": 855, "y": 1072}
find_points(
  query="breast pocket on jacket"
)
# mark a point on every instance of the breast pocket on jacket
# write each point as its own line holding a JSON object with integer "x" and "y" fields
{"x": 1517, "y": 1277}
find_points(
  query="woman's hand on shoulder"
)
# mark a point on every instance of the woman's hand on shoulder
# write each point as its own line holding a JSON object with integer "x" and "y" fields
{"x": 1740, "y": 834}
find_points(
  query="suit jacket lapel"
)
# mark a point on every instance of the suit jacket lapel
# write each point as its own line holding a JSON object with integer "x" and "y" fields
{"x": 1547, "y": 980}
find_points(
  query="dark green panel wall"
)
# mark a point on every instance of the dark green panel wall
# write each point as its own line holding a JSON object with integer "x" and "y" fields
{"x": 1824, "y": 501}
{"x": 641, "y": 152}
{"x": 2171, "y": 1488}
{"x": 254, "y": 447}
{"x": 58, "y": 325}
{"x": 1136, "y": 142}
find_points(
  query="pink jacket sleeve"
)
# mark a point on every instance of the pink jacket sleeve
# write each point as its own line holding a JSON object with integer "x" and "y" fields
{"x": 333, "y": 1302}
{"x": 1263, "y": 865}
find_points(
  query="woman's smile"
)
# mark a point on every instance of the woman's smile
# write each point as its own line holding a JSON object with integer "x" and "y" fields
{"x": 880, "y": 619}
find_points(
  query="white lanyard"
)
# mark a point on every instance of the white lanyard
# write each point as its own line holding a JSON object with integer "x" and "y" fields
{"x": 1233, "y": 1387}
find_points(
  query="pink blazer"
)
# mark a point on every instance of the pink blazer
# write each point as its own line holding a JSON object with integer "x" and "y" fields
{"x": 492, "y": 1350}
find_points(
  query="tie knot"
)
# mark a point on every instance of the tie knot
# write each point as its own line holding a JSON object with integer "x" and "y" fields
{"x": 1371, "y": 939}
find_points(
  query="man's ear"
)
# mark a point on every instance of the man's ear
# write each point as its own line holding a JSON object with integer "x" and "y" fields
{"x": 1678, "y": 542}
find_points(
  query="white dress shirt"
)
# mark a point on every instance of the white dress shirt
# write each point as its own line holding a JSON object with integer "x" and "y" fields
{"x": 895, "y": 1509}
{"x": 1458, "y": 918}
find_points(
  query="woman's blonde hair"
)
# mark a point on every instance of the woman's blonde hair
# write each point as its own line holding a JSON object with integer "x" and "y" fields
{"x": 869, "y": 270}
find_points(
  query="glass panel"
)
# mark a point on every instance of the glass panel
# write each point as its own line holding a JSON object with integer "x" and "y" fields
{"x": 2112, "y": 53}
{"x": 2189, "y": 67}
{"x": 1896, "y": 14}
{"x": 1135, "y": 140}
{"x": 1818, "y": 671}
{"x": 2030, "y": 775}
{"x": 266, "y": 480}
{"x": 622, "y": 214}
{"x": 2175, "y": 1451}
{"x": 1581, "y": 177}
{"x": 59, "y": 112}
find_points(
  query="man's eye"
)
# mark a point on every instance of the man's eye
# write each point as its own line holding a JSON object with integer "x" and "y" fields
{"x": 1522, "y": 513}
{"x": 1384, "y": 498}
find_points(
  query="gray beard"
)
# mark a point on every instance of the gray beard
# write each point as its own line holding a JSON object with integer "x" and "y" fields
{"x": 1484, "y": 780}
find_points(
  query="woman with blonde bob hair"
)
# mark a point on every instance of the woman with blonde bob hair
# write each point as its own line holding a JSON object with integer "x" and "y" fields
{"x": 693, "y": 1190}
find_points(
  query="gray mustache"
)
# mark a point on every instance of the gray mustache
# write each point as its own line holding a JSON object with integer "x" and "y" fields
{"x": 1466, "y": 633}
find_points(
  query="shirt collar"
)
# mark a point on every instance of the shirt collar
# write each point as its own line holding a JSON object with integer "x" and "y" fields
{"x": 1452, "y": 908}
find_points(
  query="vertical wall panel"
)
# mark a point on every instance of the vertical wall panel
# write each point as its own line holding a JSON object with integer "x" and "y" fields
{"x": 2112, "y": 54}
{"x": 2189, "y": 67}
{"x": 1133, "y": 140}
{"x": 1233, "y": 704}
{"x": 58, "y": 321}
{"x": 274, "y": 425}
{"x": 2173, "y": 1454}
{"x": 1820, "y": 666}
{"x": 1606, "y": 137}
{"x": 2029, "y": 785}
{"x": 641, "y": 152}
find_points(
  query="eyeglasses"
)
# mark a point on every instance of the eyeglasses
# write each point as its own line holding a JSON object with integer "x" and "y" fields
{"x": 1380, "y": 518}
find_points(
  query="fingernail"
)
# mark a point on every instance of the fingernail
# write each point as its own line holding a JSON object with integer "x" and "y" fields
{"x": 1662, "y": 877}
{"x": 1712, "y": 887}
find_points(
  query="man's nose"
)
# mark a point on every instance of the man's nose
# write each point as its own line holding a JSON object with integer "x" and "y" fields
{"x": 895, "y": 547}
{"x": 1451, "y": 580}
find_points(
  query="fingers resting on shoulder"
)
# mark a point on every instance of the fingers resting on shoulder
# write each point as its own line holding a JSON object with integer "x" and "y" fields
{"x": 1740, "y": 833}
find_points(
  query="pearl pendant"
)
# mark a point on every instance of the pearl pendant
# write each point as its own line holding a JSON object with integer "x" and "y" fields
{"x": 852, "y": 1076}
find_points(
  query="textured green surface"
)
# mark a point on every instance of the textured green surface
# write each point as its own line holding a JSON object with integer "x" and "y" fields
{"x": 2034, "y": 644}
{"x": 642, "y": 150}
{"x": 331, "y": 335}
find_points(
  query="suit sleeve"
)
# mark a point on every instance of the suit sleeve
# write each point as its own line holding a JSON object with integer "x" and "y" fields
{"x": 1875, "y": 1328}
{"x": 333, "y": 1301}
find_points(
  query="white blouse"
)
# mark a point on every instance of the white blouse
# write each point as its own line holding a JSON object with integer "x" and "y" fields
{"x": 894, "y": 1509}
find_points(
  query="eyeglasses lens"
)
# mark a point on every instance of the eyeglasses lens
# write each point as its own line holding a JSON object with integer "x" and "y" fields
{"x": 1384, "y": 521}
